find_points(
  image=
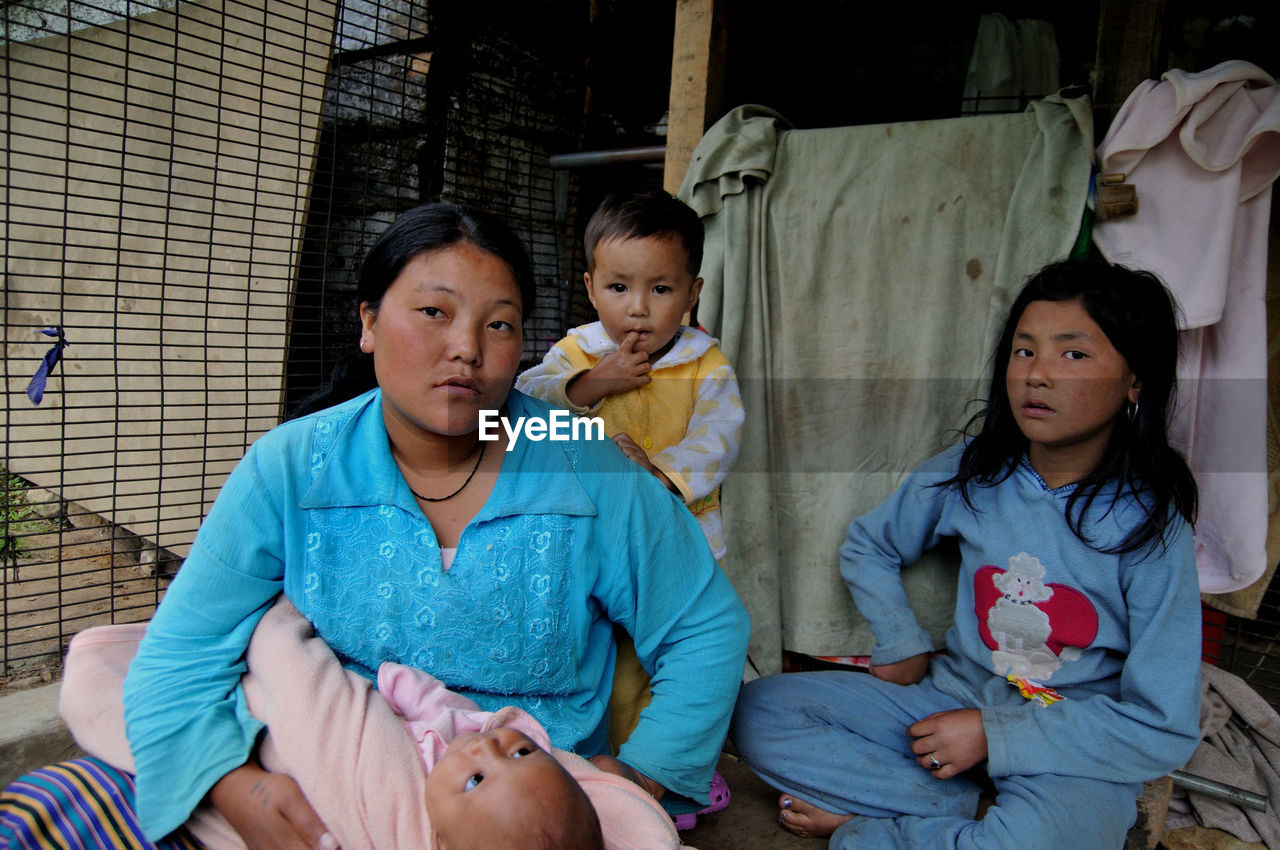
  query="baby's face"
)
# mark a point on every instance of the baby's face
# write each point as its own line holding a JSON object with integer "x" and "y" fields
{"x": 491, "y": 786}
{"x": 641, "y": 288}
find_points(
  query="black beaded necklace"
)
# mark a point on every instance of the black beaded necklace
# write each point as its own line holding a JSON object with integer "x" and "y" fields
{"x": 483, "y": 445}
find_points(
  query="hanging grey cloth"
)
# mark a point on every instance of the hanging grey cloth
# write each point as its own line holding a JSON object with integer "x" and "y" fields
{"x": 1240, "y": 747}
{"x": 1012, "y": 62}
{"x": 856, "y": 278}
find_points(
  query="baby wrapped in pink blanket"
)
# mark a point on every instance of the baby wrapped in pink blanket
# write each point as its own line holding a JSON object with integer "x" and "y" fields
{"x": 352, "y": 755}
{"x": 491, "y": 781}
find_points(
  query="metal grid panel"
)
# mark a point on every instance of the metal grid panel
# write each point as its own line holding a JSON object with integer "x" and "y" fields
{"x": 189, "y": 188}
{"x": 367, "y": 171}
{"x": 156, "y": 159}
{"x": 514, "y": 108}
{"x": 440, "y": 101}
{"x": 1248, "y": 648}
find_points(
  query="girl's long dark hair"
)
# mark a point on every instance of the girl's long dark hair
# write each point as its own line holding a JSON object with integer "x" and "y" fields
{"x": 1139, "y": 317}
{"x": 424, "y": 228}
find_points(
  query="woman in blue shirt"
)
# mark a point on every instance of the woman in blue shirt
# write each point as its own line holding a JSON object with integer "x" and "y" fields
{"x": 497, "y": 566}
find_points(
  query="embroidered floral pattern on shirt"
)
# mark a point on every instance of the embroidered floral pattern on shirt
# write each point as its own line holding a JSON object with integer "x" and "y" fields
{"x": 495, "y": 620}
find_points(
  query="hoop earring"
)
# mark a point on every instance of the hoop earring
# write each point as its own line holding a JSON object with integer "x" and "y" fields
{"x": 1132, "y": 411}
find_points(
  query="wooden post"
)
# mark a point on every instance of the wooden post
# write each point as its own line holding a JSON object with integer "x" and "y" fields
{"x": 1130, "y": 50}
{"x": 697, "y": 82}
{"x": 1153, "y": 808}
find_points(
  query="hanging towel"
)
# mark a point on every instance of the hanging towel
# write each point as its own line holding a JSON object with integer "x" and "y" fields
{"x": 1202, "y": 150}
{"x": 857, "y": 277}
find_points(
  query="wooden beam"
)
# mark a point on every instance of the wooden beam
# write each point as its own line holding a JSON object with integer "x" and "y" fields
{"x": 1130, "y": 50}
{"x": 697, "y": 82}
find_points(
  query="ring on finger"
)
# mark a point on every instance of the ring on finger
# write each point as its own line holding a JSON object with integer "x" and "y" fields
{"x": 934, "y": 764}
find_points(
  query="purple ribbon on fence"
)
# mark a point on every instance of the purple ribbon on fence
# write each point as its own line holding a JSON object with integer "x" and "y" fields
{"x": 35, "y": 389}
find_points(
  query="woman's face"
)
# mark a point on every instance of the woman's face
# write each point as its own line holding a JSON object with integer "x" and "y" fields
{"x": 446, "y": 339}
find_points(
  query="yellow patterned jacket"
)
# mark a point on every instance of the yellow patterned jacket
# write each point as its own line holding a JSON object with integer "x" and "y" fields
{"x": 688, "y": 419}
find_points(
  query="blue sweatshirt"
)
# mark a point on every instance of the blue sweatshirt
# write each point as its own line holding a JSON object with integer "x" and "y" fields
{"x": 1116, "y": 636}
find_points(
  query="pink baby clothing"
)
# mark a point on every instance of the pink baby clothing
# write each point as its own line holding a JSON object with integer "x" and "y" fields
{"x": 328, "y": 729}
{"x": 436, "y": 715}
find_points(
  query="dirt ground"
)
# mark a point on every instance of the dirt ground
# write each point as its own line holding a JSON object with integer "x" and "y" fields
{"x": 751, "y": 820}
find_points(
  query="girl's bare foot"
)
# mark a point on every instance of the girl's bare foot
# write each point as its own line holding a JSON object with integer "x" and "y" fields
{"x": 801, "y": 818}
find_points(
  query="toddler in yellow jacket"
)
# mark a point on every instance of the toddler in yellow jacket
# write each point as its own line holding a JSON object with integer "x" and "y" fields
{"x": 666, "y": 393}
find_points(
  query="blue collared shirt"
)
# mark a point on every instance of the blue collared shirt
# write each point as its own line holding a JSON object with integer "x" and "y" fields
{"x": 573, "y": 538}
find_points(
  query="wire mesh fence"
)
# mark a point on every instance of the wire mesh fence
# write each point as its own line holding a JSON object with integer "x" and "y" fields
{"x": 156, "y": 159}
{"x": 1249, "y": 648}
{"x": 188, "y": 189}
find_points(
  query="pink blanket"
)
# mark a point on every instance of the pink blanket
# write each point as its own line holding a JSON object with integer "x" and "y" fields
{"x": 1203, "y": 150}
{"x": 332, "y": 732}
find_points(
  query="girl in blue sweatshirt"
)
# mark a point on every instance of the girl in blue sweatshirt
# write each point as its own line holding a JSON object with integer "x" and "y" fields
{"x": 1072, "y": 669}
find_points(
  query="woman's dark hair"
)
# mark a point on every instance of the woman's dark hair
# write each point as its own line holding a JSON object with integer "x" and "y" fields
{"x": 1139, "y": 317}
{"x": 431, "y": 227}
{"x": 420, "y": 230}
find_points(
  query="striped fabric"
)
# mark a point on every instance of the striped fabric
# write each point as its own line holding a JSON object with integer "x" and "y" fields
{"x": 84, "y": 804}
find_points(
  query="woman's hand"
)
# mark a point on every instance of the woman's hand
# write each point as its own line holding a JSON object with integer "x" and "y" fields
{"x": 638, "y": 456}
{"x": 908, "y": 671}
{"x": 954, "y": 740}
{"x": 609, "y": 764}
{"x": 269, "y": 811}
